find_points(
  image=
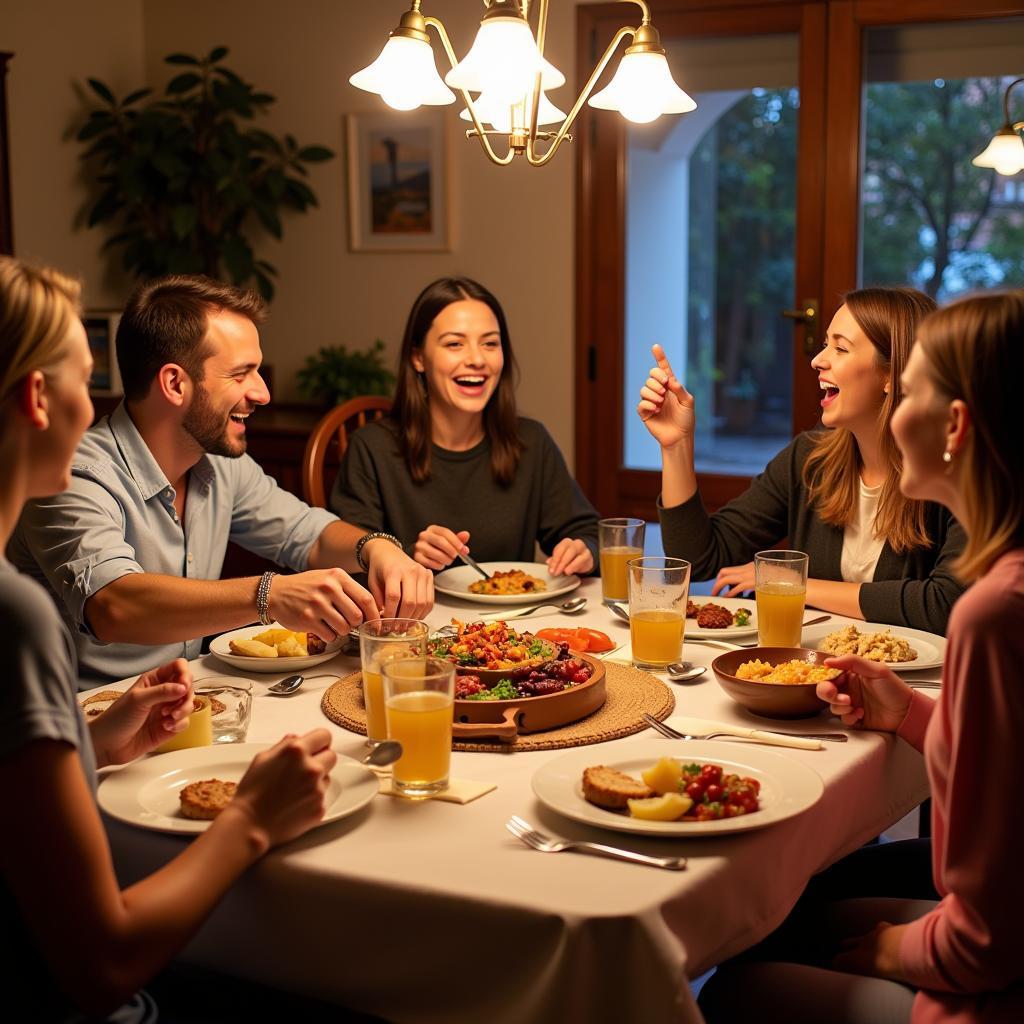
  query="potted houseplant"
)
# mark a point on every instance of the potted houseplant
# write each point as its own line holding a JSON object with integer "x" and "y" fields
{"x": 183, "y": 180}
{"x": 335, "y": 374}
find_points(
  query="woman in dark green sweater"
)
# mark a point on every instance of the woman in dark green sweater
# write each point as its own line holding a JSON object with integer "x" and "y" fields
{"x": 454, "y": 468}
{"x": 834, "y": 494}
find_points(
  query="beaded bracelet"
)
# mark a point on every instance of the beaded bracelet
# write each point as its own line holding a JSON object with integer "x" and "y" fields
{"x": 263, "y": 598}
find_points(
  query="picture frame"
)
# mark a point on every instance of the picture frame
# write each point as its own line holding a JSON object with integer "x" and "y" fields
{"x": 101, "y": 330}
{"x": 398, "y": 182}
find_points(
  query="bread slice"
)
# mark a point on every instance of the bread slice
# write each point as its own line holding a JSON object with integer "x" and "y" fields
{"x": 608, "y": 787}
{"x": 204, "y": 800}
{"x": 97, "y": 703}
{"x": 252, "y": 649}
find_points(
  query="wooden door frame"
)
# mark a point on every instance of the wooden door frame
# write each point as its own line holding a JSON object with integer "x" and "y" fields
{"x": 847, "y": 21}
{"x": 600, "y": 229}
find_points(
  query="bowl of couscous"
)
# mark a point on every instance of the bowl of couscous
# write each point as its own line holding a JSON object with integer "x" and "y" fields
{"x": 774, "y": 682}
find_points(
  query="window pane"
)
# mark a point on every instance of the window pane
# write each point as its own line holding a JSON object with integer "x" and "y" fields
{"x": 711, "y": 219}
{"x": 933, "y": 99}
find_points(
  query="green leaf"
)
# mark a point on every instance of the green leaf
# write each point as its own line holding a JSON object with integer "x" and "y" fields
{"x": 134, "y": 97}
{"x": 315, "y": 154}
{"x": 181, "y": 58}
{"x": 238, "y": 258}
{"x": 94, "y": 126}
{"x": 182, "y": 83}
{"x": 183, "y": 220}
{"x": 102, "y": 91}
{"x": 216, "y": 54}
{"x": 269, "y": 220}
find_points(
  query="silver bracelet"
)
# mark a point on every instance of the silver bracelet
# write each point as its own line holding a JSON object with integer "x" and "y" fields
{"x": 366, "y": 538}
{"x": 263, "y": 598}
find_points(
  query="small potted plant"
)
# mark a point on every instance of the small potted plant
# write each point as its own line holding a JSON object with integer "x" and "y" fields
{"x": 335, "y": 374}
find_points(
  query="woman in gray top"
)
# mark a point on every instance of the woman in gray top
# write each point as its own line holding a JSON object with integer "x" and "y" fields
{"x": 73, "y": 944}
{"x": 834, "y": 494}
{"x": 455, "y": 468}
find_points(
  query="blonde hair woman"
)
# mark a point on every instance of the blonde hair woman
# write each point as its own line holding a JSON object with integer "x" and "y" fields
{"x": 874, "y": 554}
{"x": 957, "y": 959}
{"x": 75, "y": 943}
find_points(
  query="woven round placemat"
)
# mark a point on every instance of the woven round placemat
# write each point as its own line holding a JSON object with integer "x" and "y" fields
{"x": 630, "y": 693}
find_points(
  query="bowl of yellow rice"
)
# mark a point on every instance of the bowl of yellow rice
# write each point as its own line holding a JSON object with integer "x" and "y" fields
{"x": 774, "y": 682}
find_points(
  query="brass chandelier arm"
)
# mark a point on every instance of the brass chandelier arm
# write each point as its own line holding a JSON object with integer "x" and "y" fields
{"x": 1006, "y": 103}
{"x": 453, "y": 60}
{"x": 539, "y": 161}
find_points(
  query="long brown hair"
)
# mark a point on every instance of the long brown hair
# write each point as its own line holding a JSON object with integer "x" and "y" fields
{"x": 411, "y": 410}
{"x": 889, "y": 318}
{"x": 975, "y": 351}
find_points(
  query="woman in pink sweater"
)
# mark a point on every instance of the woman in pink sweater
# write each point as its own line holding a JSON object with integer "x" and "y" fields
{"x": 958, "y": 959}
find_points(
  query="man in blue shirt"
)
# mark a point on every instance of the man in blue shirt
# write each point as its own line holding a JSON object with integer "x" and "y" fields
{"x": 133, "y": 550}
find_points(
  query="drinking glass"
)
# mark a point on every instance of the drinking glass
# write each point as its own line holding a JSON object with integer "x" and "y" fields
{"x": 780, "y": 586}
{"x": 418, "y": 696}
{"x": 230, "y": 706}
{"x": 198, "y": 732}
{"x": 619, "y": 540}
{"x": 658, "y": 590}
{"x": 381, "y": 641}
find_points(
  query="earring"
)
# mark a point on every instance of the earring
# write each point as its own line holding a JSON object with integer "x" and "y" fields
{"x": 947, "y": 456}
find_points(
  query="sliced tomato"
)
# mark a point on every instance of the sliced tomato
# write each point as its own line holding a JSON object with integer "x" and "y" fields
{"x": 560, "y": 636}
{"x": 596, "y": 640}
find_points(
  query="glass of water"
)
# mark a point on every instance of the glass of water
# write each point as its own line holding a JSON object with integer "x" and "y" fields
{"x": 230, "y": 706}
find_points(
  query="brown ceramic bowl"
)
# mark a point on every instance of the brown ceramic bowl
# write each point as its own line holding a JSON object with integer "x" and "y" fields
{"x": 770, "y": 700}
{"x": 505, "y": 719}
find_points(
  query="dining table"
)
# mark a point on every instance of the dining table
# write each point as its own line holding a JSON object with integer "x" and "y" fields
{"x": 429, "y": 911}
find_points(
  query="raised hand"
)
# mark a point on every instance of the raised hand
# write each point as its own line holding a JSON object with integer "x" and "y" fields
{"x": 437, "y": 546}
{"x": 869, "y": 694}
{"x": 155, "y": 708}
{"x": 400, "y": 586}
{"x": 666, "y": 407}
{"x": 282, "y": 793}
{"x": 570, "y": 556}
{"x": 327, "y": 602}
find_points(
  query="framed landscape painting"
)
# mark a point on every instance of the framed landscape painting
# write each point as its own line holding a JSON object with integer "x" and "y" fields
{"x": 397, "y": 182}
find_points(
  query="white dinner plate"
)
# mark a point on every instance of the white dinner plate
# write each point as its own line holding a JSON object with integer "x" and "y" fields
{"x": 455, "y": 583}
{"x": 788, "y": 786}
{"x": 220, "y": 649}
{"x": 145, "y": 792}
{"x": 695, "y": 632}
{"x": 931, "y": 648}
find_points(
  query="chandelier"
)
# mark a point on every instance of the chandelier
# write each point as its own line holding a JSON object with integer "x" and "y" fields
{"x": 507, "y": 71}
{"x": 1006, "y": 150}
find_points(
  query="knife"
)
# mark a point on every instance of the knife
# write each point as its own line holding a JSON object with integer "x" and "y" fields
{"x": 468, "y": 560}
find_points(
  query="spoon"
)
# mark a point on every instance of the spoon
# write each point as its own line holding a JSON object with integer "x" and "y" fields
{"x": 678, "y": 674}
{"x": 286, "y": 687}
{"x": 619, "y": 610}
{"x": 570, "y": 607}
{"x": 386, "y": 752}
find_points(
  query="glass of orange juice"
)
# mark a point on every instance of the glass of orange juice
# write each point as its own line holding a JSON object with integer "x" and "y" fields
{"x": 780, "y": 586}
{"x": 381, "y": 641}
{"x": 619, "y": 540}
{"x": 418, "y": 698}
{"x": 658, "y": 590}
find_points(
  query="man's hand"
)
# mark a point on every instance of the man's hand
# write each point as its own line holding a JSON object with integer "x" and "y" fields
{"x": 869, "y": 694}
{"x": 327, "y": 602}
{"x": 570, "y": 556}
{"x": 666, "y": 407}
{"x": 733, "y": 580}
{"x": 400, "y": 586}
{"x": 876, "y": 955}
{"x": 154, "y": 709}
{"x": 437, "y": 546}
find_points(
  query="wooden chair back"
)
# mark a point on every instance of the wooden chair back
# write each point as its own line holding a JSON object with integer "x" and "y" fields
{"x": 329, "y": 439}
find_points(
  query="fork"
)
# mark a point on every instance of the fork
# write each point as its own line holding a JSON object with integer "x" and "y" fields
{"x": 539, "y": 841}
{"x": 742, "y": 732}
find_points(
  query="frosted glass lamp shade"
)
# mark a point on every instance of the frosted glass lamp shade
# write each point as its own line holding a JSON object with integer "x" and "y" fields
{"x": 498, "y": 113}
{"x": 1005, "y": 152}
{"x": 404, "y": 75}
{"x": 643, "y": 89}
{"x": 503, "y": 62}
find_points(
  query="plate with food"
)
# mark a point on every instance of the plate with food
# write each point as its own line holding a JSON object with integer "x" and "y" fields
{"x": 646, "y": 787}
{"x": 272, "y": 648}
{"x": 901, "y": 648}
{"x": 183, "y": 791}
{"x": 491, "y": 649}
{"x": 510, "y": 583}
{"x": 711, "y": 618}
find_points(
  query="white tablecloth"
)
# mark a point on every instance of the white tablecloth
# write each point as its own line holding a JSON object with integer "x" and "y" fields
{"x": 432, "y": 912}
